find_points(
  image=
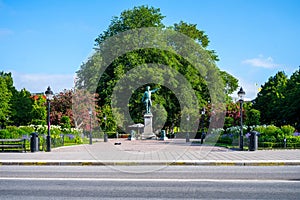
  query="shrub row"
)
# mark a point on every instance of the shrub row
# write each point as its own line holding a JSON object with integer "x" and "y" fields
{"x": 69, "y": 135}
{"x": 270, "y": 136}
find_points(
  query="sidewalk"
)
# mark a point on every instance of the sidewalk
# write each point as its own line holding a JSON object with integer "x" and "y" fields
{"x": 151, "y": 152}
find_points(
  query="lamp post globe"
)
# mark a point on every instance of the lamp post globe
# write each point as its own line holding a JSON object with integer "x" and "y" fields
{"x": 49, "y": 96}
{"x": 241, "y": 93}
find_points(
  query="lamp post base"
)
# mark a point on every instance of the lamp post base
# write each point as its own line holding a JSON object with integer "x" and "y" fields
{"x": 241, "y": 145}
{"x": 105, "y": 137}
{"x": 187, "y": 137}
{"x": 48, "y": 142}
{"x": 91, "y": 140}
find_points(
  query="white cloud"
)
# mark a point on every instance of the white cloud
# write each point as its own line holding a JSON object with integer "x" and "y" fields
{"x": 261, "y": 61}
{"x": 36, "y": 83}
{"x": 251, "y": 89}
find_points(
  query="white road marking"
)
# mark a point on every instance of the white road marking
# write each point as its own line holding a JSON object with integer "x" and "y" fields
{"x": 152, "y": 180}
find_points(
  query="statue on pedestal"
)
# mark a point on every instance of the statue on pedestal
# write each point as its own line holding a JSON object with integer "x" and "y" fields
{"x": 148, "y": 129}
{"x": 147, "y": 99}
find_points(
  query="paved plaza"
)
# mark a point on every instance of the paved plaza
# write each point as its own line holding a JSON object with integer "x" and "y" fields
{"x": 151, "y": 152}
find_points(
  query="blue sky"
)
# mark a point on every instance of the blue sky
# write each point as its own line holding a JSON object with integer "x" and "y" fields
{"x": 44, "y": 42}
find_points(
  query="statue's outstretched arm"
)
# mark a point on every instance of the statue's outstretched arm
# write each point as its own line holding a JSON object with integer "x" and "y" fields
{"x": 154, "y": 90}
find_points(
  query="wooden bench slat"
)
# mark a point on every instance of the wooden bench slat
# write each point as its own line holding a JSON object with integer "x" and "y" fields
{"x": 12, "y": 140}
{"x": 13, "y": 144}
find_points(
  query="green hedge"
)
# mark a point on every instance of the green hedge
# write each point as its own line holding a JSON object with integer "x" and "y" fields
{"x": 59, "y": 136}
{"x": 270, "y": 136}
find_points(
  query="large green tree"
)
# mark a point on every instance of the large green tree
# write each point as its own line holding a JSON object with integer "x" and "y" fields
{"x": 143, "y": 17}
{"x": 138, "y": 17}
{"x": 270, "y": 99}
{"x": 21, "y": 108}
{"x": 291, "y": 104}
{"x": 39, "y": 110}
{"x": 4, "y": 102}
{"x": 6, "y": 89}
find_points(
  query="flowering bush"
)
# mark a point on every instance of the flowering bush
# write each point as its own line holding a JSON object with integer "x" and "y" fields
{"x": 73, "y": 135}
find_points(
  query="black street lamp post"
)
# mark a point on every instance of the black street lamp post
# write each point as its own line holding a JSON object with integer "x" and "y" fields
{"x": 105, "y": 134}
{"x": 241, "y": 95}
{"x": 202, "y": 125}
{"x": 187, "y": 137}
{"x": 49, "y": 96}
{"x": 90, "y": 113}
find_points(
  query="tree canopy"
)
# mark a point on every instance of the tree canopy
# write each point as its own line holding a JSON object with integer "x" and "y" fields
{"x": 5, "y": 97}
{"x": 138, "y": 50}
{"x": 278, "y": 101}
{"x": 124, "y": 65}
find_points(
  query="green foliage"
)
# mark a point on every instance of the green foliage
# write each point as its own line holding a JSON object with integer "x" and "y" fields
{"x": 199, "y": 36}
{"x": 225, "y": 139}
{"x": 192, "y": 31}
{"x": 288, "y": 130}
{"x": 269, "y": 136}
{"x": 5, "y": 96}
{"x": 27, "y": 129}
{"x": 131, "y": 20}
{"x": 111, "y": 134}
{"x": 270, "y": 97}
{"x": 279, "y": 100}
{"x": 230, "y": 82}
{"x": 14, "y": 132}
{"x": 274, "y": 134}
{"x": 291, "y": 104}
{"x": 253, "y": 117}
{"x": 39, "y": 112}
{"x": 5, "y": 134}
{"x": 293, "y": 141}
{"x": 65, "y": 122}
{"x": 21, "y": 106}
{"x": 269, "y": 133}
{"x": 272, "y": 130}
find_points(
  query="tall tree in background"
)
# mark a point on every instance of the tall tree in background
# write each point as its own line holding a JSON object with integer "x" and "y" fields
{"x": 61, "y": 105}
{"x": 198, "y": 35}
{"x": 138, "y": 17}
{"x": 83, "y": 102}
{"x": 141, "y": 17}
{"x": 291, "y": 103}
{"x": 21, "y": 108}
{"x": 39, "y": 110}
{"x": 270, "y": 99}
{"x": 5, "y": 96}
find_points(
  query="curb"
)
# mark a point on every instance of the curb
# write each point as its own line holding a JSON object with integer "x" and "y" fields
{"x": 145, "y": 163}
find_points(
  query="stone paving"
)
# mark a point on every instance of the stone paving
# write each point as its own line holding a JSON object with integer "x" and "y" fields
{"x": 173, "y": 151}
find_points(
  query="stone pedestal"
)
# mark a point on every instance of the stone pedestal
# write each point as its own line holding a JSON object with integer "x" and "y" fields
{"x": 148, "y": 130}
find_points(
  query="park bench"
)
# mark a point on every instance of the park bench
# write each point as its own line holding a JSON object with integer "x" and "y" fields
{"x": 13, "y": 144}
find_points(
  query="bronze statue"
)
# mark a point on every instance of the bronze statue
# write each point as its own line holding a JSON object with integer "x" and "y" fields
{"x": 147, "y": 99}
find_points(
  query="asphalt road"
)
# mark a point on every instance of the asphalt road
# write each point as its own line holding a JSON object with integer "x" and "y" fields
{"x": 176, "y": 182}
